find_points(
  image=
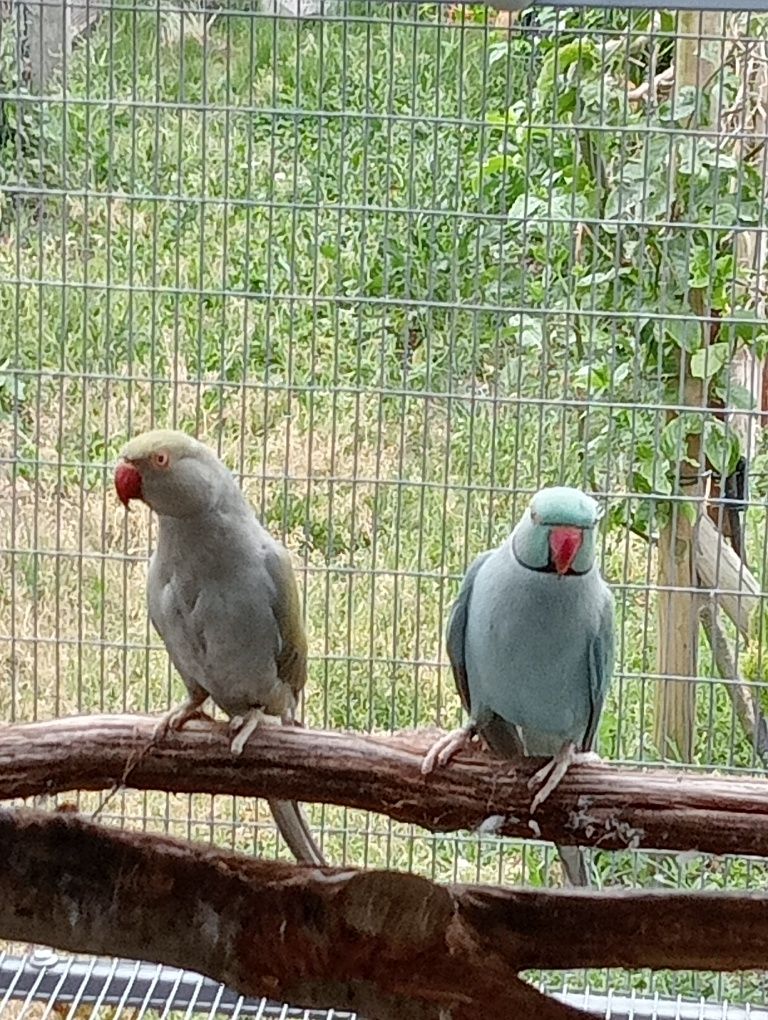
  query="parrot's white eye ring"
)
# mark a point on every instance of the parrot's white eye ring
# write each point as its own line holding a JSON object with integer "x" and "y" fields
{"x": 161, "y": 459}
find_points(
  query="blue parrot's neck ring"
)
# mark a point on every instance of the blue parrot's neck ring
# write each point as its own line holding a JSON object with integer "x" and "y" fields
{"x": 549, "y": 568}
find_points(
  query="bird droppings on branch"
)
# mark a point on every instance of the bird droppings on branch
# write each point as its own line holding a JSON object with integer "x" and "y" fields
{"x": 492, "y": 825}
{"x": 596, "y": 829}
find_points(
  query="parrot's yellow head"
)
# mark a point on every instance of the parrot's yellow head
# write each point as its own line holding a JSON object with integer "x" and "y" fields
{"x": 173, "y": 473}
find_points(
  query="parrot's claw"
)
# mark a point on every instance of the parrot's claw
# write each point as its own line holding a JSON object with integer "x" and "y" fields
{"x": 549, "y": 776}
{"x": 241, "y": 727}
{"x": 445, "y": 747}
{"x": 177, "y": 718}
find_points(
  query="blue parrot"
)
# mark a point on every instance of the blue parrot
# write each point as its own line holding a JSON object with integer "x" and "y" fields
{"x": 530, "y": 639}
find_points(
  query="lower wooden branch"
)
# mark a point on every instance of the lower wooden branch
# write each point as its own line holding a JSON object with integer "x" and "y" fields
{"x": 386, "y": 944}
{"x": 601, "y": 805}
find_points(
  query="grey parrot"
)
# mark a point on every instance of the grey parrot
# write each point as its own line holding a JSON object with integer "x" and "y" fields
{"x": 222, "y": 596}
{"x": 530, "y": 639}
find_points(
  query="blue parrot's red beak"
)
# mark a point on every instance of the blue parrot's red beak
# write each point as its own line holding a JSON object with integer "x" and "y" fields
{"x": 564, "y": 545}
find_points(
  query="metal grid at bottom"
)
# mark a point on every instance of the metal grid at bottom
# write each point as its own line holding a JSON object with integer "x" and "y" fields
{"x": 44, "y": 976}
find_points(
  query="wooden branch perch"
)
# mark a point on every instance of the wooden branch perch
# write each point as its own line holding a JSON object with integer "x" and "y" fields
{"x": 600, "y": 805}
{"x": 743, "y": 697}
{"x": 725, "y": 577}
{"x": 389, "y": 945}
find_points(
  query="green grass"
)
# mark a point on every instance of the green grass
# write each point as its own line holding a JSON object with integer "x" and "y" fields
{"x": 271, "y": 239}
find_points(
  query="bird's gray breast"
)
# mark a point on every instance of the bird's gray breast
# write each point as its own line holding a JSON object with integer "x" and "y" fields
{"x": 527, "y": 649}
{"x": 178, "y": 612}
{"x": 213, "y": 608}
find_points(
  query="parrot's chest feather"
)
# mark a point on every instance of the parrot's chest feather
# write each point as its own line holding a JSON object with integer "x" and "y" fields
{"x": 213, "y": 606}
{"x": 528, "y": 644}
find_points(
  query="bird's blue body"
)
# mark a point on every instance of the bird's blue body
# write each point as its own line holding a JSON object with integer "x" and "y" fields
{"x": 536, "y": 648}
{"x": 532, "y": 647}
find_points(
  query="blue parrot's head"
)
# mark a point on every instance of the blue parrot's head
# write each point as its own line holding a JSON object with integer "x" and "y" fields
{"x": 557, "y": 532}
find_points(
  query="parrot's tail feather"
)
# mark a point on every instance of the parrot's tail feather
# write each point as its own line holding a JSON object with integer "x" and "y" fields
{"x": 574, "y": 865}
{"x": 294, "y": 829}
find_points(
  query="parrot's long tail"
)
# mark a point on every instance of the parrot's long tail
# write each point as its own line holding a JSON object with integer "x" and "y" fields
{"x": 575, "y": 865}
{"x": 294, "y": 829}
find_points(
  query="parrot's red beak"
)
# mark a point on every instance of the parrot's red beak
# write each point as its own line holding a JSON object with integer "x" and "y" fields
{"x": 564, "y": 543}
{"x": 127, "y": 483}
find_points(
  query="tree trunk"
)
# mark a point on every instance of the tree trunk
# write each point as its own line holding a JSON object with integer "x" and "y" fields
{"x": 696, "y": 58}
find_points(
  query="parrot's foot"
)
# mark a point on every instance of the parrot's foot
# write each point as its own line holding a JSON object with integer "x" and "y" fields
{"x": 443, "y": 749}
{"x": 552, "y": 773}
{"x": 179, "y": 717}
{"x": 242, "y": 726}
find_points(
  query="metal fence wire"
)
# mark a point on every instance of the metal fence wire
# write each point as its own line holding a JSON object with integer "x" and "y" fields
{"x": 402, "y": 265}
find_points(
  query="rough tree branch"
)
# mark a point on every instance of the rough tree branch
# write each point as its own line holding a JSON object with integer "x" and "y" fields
{"x": 601, "y": 805}
{"x": 744, "y": 698}
{"x": 389, "y": 945}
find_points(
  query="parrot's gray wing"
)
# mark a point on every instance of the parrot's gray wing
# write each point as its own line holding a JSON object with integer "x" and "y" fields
{"x": 601, "y": 652}
{"x": 457, "y": 629}
{"x": 292, "y": 657}
{"x": 292, "y": 670}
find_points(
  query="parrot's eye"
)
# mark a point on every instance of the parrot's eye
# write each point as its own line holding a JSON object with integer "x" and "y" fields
{"x": 161, "y": 460}
{"x": 534, "y": 517}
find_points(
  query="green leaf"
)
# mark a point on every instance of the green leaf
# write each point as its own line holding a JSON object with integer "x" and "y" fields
{"x": 527, "y": 207}
{"x": 700, "y": 274}
{"x": 591, "y": 378}
{"x": 563, "y": 56}
{"x": 497, "y": 52}
{"x": 708, "y": 361}
{"x": 528, "y": 330}
{"x": 735, "y": 397}
{"x": 686, "y": 333}
{"x": 689, "y": 162}
{"x": 496, "y": 164}
{"x": 673, "y": 440}
{"x": 748, "y": 332}
{"x": 687, "y": 510}
{"x": 721, "y": 447}
{"x": 593, "y": 279}
{"x": 652, "y": 474}
{"x": 684, "y": 104}
{"x": 642, "y": 518}
{"x": 647, "y": 333}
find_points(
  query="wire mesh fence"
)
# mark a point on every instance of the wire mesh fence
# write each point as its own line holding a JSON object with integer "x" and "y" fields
{"x": 402, "y": 265}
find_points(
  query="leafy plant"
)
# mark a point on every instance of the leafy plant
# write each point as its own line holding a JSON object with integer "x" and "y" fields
{"x": 616, "y": 215}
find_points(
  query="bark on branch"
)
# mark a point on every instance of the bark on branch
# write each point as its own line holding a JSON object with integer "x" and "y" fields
{"x": 601, "y": 805}
{"x": 389, "y": 945}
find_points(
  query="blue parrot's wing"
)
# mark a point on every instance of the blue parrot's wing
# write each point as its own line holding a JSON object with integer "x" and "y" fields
{"x": 600, "y": 671}
{"x": 457, "y": 628}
